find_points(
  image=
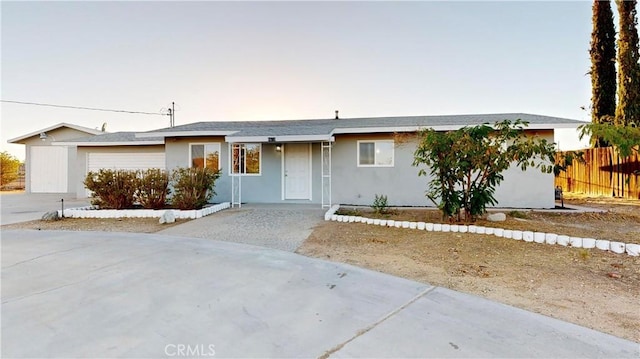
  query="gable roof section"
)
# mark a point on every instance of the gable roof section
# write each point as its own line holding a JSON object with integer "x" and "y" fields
{"x": 87, "y": 130}
{"x": 324, "y": 130}
{"x": 112, "y": 139}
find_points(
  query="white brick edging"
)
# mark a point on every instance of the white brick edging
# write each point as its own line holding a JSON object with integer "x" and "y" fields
{"x": 91, "y": 212}
{"x": 631, "y": 249}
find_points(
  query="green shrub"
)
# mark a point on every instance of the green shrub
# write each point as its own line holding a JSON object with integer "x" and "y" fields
{"x": 152, "y": 188}
{"x": 380, "y": 205}
{"x": 112, "y": 189}
{"x": 193, "y": 187}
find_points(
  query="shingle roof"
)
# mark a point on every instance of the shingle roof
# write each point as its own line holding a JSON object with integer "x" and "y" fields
{"x": 329, "y": 126}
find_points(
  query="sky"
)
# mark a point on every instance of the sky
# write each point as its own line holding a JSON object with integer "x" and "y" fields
{"x": 223, "y": 61}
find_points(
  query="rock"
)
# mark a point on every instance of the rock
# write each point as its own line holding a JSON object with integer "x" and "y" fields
{"x": 167, "y": 217}
{"x": 497, "y": 217}
{"x": 633, "y": 249}
{"x": 51, "y": 216}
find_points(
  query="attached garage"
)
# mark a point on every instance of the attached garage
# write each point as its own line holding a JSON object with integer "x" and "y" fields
{"x": 50, "y": 165}
{"x": 125, "y": 160}
{"x": 49, "y": 169}
{"x": 116, "y": 155}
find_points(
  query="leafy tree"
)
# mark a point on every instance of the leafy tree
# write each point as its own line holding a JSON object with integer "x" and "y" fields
{"x": 628, "y": 109}
{"x": 9, "y": 168}
{"x": 603, "y": 66}
{"x": 466, "y": 165}
{"x": 625, "y": 138}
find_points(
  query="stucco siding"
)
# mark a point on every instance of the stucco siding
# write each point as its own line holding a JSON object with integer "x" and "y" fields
{"x": 355, "y": 185}
{"x": 351, "y": 184}
{"x": 264, "y": 188}
{"x": 527, "y": 189}
{"x": 403, "y": 187}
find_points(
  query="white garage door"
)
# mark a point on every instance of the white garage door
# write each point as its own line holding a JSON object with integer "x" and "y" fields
{"x": 125, "y": 161}
{"x": 49, "y": 169}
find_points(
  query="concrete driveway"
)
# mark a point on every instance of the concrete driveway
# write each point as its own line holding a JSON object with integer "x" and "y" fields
{"x": 78, "y": 294}
{"x": 22, "y": 207}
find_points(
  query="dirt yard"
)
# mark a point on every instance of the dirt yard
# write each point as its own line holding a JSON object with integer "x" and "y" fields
{"x": 589, "y": 287}
{"x": 136, "y": 225}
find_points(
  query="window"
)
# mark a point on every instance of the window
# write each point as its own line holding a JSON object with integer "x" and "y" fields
{"x": 375, "y": 153}
{"x": 205, "y": 155}
{"x": 245, "y": 158}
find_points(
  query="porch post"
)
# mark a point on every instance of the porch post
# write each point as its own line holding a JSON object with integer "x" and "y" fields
{"x": 236, "y": 178}
{"x": 326, "y": 174}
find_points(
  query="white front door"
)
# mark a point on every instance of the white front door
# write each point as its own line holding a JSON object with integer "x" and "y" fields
{"x": 297, "y": 171}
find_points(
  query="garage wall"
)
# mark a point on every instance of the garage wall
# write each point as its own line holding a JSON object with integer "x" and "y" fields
{"x": 60, "y": 134}
{"x": 125, "y": 160}
{"x": 118, "y": 157}
{"x": 49, "y": 169}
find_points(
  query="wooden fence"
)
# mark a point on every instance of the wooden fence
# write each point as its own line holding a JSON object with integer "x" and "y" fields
{"x": 602, "y": 173}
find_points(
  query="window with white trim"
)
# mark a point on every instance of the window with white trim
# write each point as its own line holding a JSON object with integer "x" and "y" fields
{"x": 245, "y": 159}
{"x": 377, "y": 153}
{"x": 205, "y": 155}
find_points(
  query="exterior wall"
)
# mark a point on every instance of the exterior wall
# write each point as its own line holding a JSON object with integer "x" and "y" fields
{"x": 264, "y": 188}
{"x": 80, "y": 161}
{"x": 355, "y": 185}
{"x": 359, "y": 185}
{"x": 60, "y": 134}
{"x": 530, "y": 188}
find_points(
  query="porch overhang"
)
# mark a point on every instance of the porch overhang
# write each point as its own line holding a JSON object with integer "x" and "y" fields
{"x": 183, "y": 133}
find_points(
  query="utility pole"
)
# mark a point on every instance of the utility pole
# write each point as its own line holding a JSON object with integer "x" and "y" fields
{"x": 171, "y": 112}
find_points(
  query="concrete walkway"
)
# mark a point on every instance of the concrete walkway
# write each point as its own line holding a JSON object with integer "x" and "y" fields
{"x": 79, "y": 294}
{"x": 277, "y": 226}
{"x": 21, "y": 207}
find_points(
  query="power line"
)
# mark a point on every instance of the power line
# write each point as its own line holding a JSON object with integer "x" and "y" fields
{"x": 85, "y": 108}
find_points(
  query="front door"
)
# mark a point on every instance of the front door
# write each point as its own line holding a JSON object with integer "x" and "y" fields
{"x": 297, "y": 171}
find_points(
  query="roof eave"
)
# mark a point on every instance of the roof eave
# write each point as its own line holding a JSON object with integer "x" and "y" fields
{"x": 285, "y": 138}
{"x": 55, "y": 127}
{"x": 364, "y": 130}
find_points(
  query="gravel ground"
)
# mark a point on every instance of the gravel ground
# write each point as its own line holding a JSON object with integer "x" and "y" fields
{"x": 274, "y": 226}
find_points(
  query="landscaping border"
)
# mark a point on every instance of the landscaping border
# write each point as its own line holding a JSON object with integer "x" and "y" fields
{"x": 92, "y": 212}
{"x": 631, "y": 249}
